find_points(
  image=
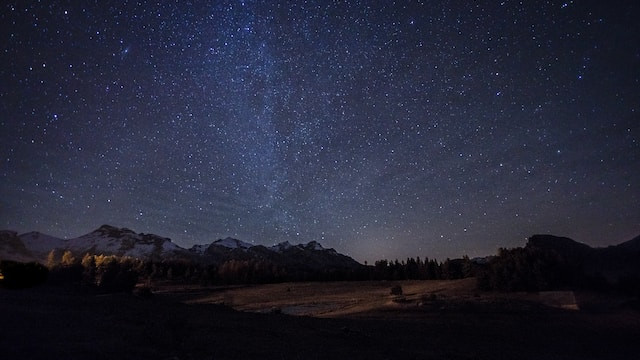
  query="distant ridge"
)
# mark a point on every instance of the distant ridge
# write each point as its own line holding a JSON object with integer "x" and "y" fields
{"x": 631, "y": 245}
{"x": 610, "y": 262}
{"x": 569, "y": 246}
{"x": 562, "y": 244}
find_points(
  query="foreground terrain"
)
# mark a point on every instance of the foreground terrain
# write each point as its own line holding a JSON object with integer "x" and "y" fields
{"x": 358, "y": 320}
{"x": 374, "y": 298}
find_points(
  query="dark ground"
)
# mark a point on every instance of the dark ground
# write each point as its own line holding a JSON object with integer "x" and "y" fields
{"x": 55, "y": 323}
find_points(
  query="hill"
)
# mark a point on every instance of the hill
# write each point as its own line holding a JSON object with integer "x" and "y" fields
{"x": 550, "y": 262}
{"x": 610, "y": 262}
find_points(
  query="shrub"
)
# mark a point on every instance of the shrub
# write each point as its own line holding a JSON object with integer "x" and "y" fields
{"x": 396, "y": 290}
{"x": 143, "y": 292}
{"x": 117, "y": 276}
{"x": 17, "y": 275}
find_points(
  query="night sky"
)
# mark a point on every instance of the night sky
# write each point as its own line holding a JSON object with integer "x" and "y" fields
{"x": 382, "y": 129}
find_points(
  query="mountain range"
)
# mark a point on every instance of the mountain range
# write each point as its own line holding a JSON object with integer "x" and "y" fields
{"x": 110, "y": 240}
{"x": 611, "y": 262}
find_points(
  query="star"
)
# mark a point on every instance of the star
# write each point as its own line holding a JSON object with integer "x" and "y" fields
{"x": 381, "y": 130}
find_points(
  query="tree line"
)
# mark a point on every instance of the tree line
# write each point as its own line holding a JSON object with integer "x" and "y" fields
{"x": 110, "y": 273}
{"x": 532, "y": 268}
{"x": 417, "y": 269}
{"x": 518, "y": 269}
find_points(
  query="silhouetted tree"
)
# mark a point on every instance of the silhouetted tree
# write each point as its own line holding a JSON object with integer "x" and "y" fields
{"x": 17, "y": 275}
{"x": 89, "y": 270}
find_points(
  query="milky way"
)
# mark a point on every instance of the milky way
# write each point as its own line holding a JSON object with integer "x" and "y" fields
{"x": 382, "y": 129}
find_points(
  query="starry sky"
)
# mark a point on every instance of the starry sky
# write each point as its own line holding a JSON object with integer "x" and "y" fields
{"x": 383, "y": 129}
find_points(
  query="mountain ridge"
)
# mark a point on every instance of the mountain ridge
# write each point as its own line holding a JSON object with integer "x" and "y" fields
{"x": 567, "y": 245}
{"x": 111, "y": 240}
{"x": 609, "y": 262}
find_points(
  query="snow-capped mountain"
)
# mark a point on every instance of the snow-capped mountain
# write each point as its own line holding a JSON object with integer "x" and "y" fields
{"x": 110, "y": 240}
{"x": 302, "y": 256}
{"x": 232, "y": 243}
{"x": 27, "y": 247}
{"x": 106, "y": 240}
{"x": 12, "y": 248}
{"x": 40, "y": 244}
{"x": 225, "y": 245}
{"x": 312, "y": 245}
{"x": 199, "y": 249}
{"x": 281, "y": 246}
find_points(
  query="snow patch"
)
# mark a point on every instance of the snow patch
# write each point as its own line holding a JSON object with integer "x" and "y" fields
{"x": 140, "y": 251}
{"x": 168, "y": 246}
{"x": 110, "y": 240}
{"x": 314, "y": 245}
{"x": 122, "y": 242}
{"x": 232, "y": 243}
{"x": 281, "y": 247}
{"x": 199, "y": 249}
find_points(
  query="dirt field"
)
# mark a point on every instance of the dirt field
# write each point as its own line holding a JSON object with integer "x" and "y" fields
{"x": 338, "y": 299}
{"x": 431, "y": 320}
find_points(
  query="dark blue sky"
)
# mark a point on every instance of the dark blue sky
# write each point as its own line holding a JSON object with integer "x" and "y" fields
{"x": 382, "y": 129}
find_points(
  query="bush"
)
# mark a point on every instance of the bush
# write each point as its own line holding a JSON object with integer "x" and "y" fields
{"x": 66, "y": 274}
{"x": 526, "y": 269}
{"x": 17, "y": 275}
{"x": 629, "y": 285}
{"x": 143, "y": 292}
{"x": 117, "y": 276}
{"x": 396, "y": 290}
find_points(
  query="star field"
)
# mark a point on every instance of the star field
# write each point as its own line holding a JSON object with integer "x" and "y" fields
{"x": 382, "y": 129}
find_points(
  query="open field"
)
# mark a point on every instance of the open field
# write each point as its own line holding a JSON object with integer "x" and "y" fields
{"x": 358, "y": 320}
{"x": 366, "y": 298}
{"x": 339, "y": 299}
